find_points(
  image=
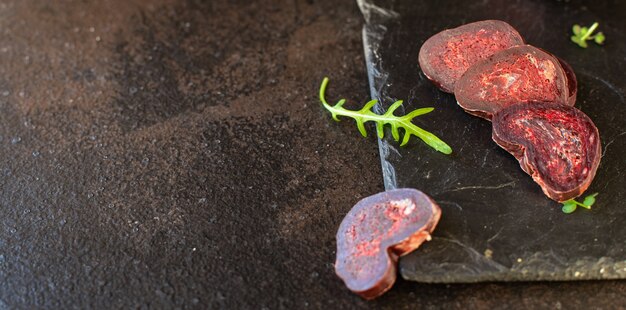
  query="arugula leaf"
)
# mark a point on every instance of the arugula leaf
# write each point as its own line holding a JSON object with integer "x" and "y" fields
{"x": 583, "y": 34}
{"x": 599, "y": 38}
{"x": 366, "y": 114}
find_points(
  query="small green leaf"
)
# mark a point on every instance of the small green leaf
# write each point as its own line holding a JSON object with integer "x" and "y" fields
{"x": 393, "y": 107}
{"x": 394, "y": 132}
{"x": 584, "y": 34}
{"x": 361, "y": 125}
{"x": 577, "y": 40}
{"x": 599, "y": 38}
{"x": 369, "y": 105}
{"x": 569, "y": 206}
{"x": 580, "y": 42}
{"x": 379, "y": 130}
{"x": 590, "y": 200}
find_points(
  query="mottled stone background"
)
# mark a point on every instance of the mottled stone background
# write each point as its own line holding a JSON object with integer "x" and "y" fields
{"x": 174, "y": 154}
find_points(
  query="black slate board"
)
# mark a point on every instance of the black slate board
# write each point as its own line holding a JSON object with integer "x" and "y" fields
{"x": 496, "y": 222}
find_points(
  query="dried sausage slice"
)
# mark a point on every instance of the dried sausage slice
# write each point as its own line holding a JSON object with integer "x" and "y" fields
{"x": 445, "y": 56}
{"x": 557, "y": 145}
{"x": 518, "y": 74}
{"x": 378, "y": 230}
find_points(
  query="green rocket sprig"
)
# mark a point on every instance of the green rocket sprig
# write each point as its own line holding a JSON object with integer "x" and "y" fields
{"x": 366, "y": 115}
{"x": 583, "y": 34}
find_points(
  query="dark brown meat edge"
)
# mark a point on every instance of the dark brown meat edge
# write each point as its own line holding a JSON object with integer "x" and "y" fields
{"x": 572, "y": 82}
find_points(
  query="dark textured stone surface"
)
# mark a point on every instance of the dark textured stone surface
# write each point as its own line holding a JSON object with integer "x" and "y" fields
{"x": 497, "y": 224}
{"x": 173, "y": 154}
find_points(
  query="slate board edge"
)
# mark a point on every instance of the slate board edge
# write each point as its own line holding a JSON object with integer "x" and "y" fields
{"x": 389, "y": 176}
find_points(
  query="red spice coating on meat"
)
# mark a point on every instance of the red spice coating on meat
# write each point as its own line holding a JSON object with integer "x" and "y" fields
{"x": 447, "y": 55}
{"x": 518, "y": 74}
{"x": 557, "y": 145}
{"x": 572, "y": 82}
{"x": 464, "y": 50}
{"x": 524, "y": 78}
{"x": 378, "y": 230}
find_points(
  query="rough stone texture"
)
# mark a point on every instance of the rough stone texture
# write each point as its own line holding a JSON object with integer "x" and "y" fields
{"x": 173, "y": 154}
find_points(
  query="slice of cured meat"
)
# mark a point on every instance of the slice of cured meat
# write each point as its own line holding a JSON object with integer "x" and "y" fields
{"x": 445, "y": 56}
{"x": 518, "y": 74}
{"x": 378, "y": 230}
{"x": 557, "y": 145}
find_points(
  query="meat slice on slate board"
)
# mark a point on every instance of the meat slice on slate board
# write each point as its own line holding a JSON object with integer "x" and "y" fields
{"x": 445, "y": 56}
{"x": 518, "y": 74}
{"x": 377, "y": 231}
{"x": 557, "y": 145}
